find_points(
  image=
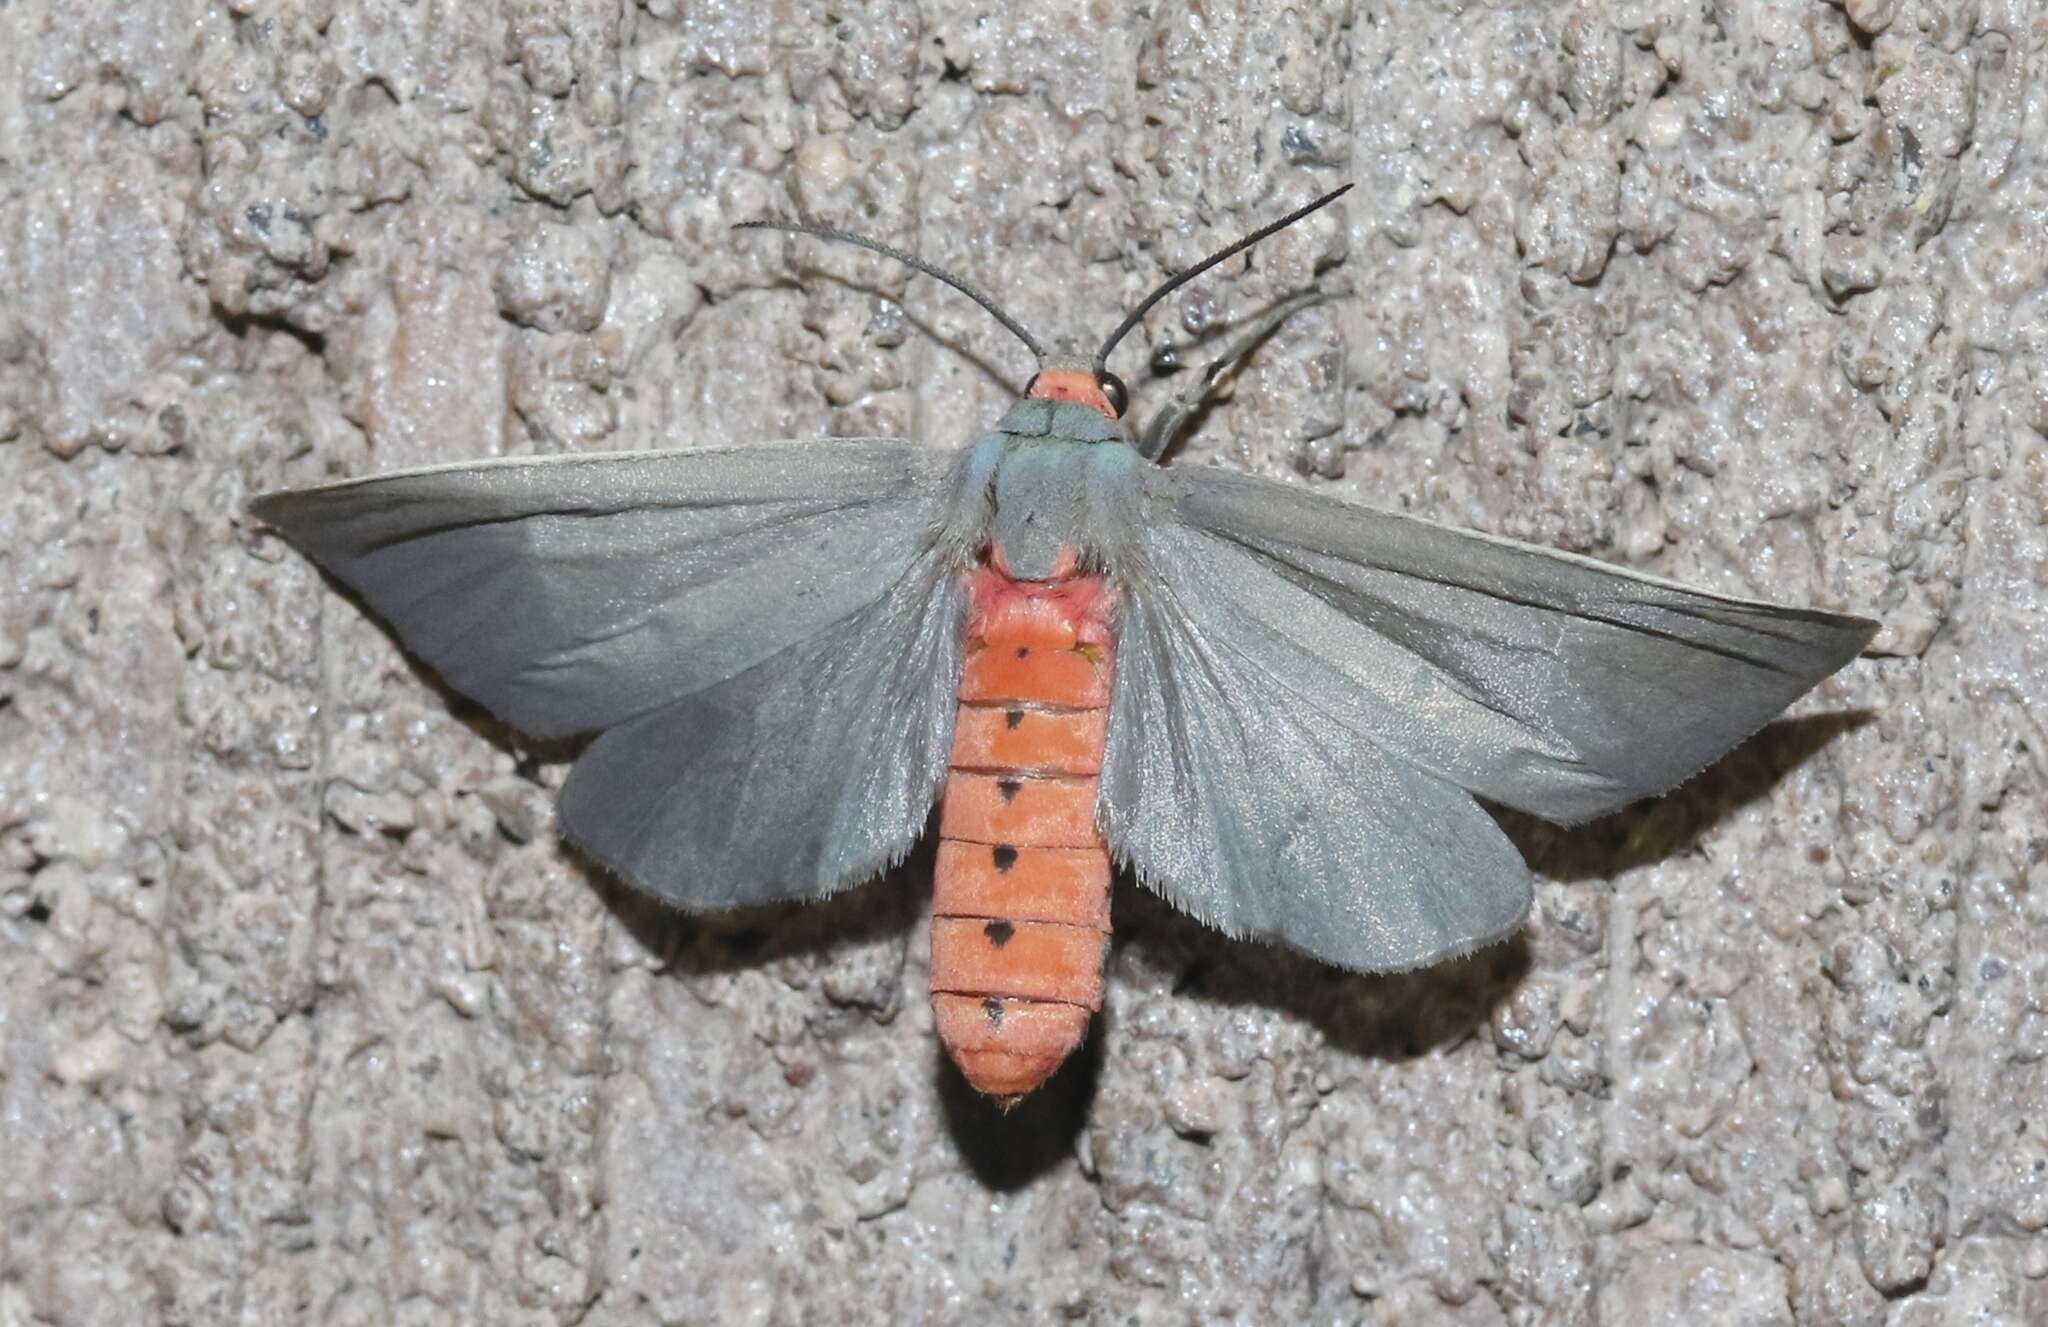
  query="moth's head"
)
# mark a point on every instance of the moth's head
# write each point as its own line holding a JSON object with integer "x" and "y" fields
{"x": 1070, "y": 378}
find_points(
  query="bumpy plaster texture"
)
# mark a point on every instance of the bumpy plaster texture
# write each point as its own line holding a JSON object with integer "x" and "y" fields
{"x": 305, "y": 1015}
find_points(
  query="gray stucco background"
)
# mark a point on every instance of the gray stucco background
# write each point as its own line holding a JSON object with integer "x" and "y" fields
{"x": 304, "y": 1014}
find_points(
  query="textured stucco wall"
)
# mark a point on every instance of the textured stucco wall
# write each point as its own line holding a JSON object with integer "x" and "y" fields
{"x": 304, "y": 1016}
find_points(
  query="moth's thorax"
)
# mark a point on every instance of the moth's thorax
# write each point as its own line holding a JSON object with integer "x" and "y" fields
{"x": 1056, "y": 504}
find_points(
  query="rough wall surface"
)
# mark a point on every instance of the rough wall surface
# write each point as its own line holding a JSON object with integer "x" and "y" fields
{"x": 306, "y": 1017}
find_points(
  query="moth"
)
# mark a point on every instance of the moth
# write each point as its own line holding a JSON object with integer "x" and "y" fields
{"x": 1273, "y": 707}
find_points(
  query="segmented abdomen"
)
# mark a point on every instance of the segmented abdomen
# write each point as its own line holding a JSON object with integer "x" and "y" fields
{"x": 1020, "y": 916}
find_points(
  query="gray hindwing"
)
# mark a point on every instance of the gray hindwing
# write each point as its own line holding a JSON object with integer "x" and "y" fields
{"x": 1241, "y": 802}
{"x": 813, "y": 769}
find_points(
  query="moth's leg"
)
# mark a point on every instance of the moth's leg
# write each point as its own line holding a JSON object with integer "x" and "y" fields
{"x": 1159, "y": 433}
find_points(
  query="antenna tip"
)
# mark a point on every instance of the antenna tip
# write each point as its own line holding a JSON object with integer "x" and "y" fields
{"x": 1175, "y": 282}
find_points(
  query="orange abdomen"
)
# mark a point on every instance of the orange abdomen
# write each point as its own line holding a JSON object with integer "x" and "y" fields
{"x": 1020, "y": 915}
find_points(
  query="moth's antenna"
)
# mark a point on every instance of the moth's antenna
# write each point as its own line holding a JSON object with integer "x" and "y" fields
{"x": 911, "y": 260}
{"x": 1176, "y": 282}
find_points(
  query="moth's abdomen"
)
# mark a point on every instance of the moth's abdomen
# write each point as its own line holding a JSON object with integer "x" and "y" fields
{"x": 1020, "y": 918}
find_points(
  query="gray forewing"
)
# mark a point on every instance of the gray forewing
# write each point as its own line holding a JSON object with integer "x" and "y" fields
{"x": 1544, "y": 681}
{"x": 569, "y": 593}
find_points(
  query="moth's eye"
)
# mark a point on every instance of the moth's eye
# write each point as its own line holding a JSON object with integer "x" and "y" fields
{"x": 1113, "y": 388}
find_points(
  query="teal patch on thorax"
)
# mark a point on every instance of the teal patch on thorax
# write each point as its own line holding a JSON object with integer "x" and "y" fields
{"x": 1033, "y": 418}
{"x": 1059, "y": 493}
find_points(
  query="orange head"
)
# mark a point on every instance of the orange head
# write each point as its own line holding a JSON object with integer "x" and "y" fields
{"x": 1082, "y": 386}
